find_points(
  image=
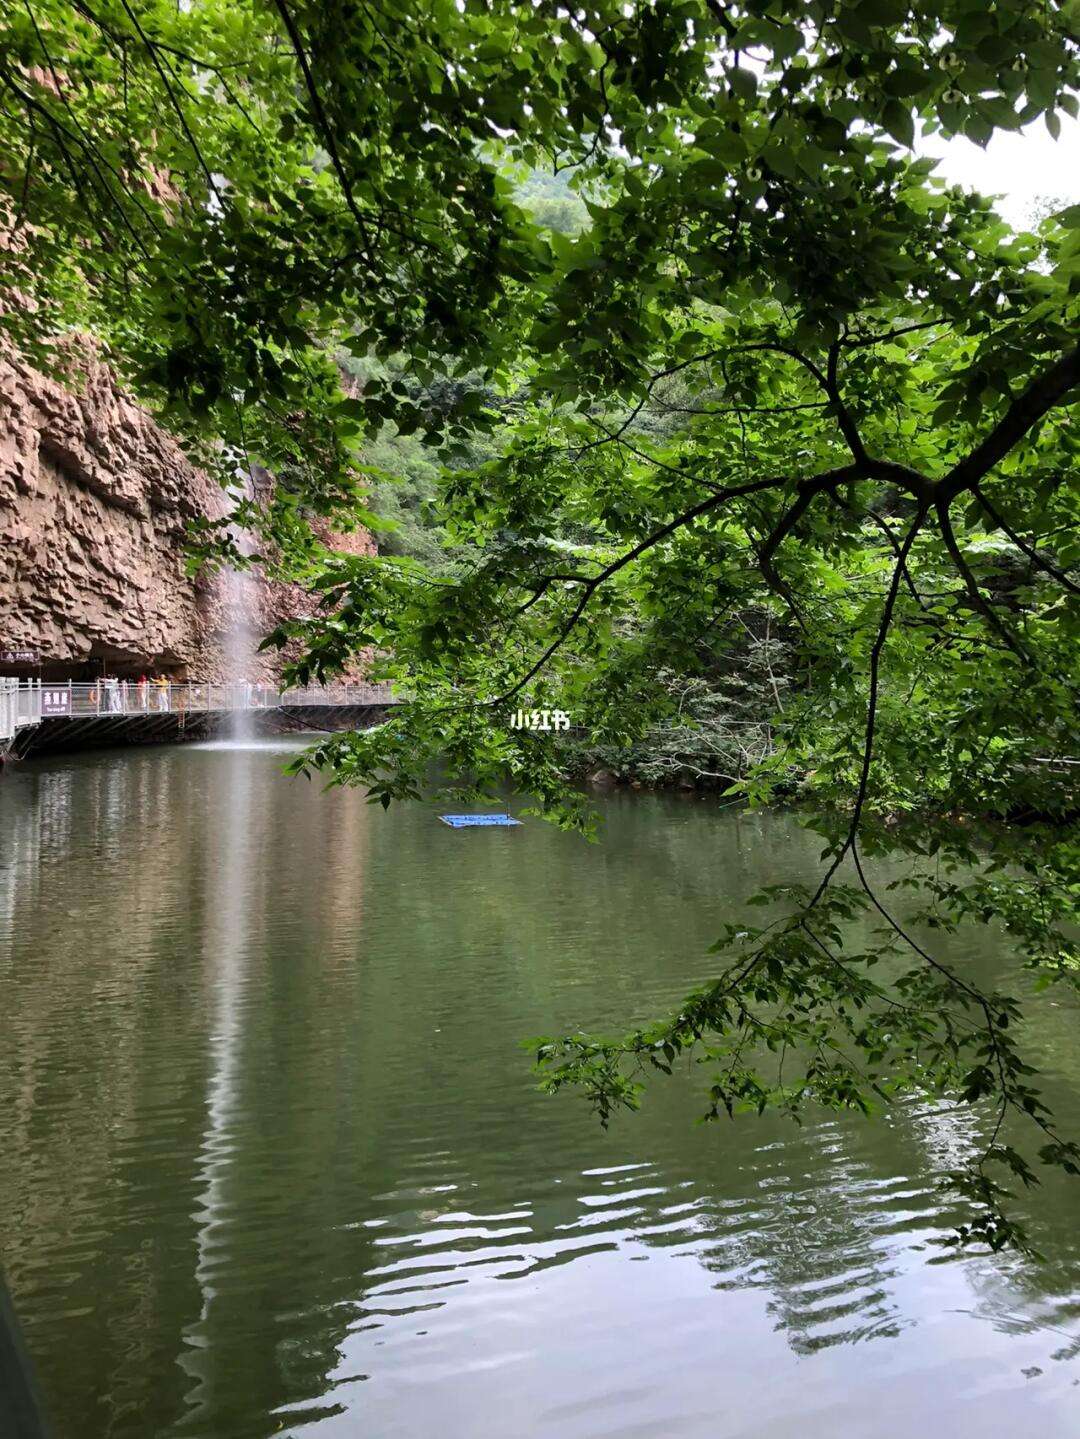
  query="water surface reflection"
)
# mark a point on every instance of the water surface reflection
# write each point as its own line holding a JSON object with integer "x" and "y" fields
{"x": 274, "y": 1162}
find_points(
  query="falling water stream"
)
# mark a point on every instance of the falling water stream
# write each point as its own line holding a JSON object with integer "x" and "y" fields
{"x": 240, "y": 607}
{"x": 274, "y": 1161}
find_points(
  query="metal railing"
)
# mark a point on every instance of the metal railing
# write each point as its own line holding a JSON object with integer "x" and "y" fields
{"x": 28, "y": 702}
{"x": 9, "y": 709}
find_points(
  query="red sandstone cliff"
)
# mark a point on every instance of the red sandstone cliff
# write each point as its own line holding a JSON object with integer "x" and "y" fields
{"x": 94, "y": 503}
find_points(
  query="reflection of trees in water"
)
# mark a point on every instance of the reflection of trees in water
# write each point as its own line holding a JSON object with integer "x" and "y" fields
{"x": 817, "y": 1239}
{"x": 819, "y": 1227}
{"x": 825, "y": 1235}
{"x": 823, "y": 1221}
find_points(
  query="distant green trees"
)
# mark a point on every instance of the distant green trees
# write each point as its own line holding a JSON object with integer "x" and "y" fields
{"x": 552, "y": 203}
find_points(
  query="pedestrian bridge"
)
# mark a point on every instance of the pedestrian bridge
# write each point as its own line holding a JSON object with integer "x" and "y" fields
{"x": 36, "y": 715}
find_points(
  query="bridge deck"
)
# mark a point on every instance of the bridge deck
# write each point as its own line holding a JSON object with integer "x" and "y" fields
{"x": 29, "y": 703}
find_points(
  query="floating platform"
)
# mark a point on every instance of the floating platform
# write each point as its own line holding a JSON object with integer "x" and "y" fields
{"x": 470, "y": 821}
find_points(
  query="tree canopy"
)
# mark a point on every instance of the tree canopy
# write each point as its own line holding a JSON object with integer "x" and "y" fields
{"x": 867, "y": 383}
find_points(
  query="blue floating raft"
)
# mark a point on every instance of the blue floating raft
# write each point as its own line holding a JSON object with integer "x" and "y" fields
{"x": 468, "y": 821}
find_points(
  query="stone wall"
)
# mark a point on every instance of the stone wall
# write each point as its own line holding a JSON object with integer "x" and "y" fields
{"x": 95, "y": 500}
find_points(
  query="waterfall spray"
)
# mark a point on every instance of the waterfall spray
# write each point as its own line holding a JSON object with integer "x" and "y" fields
{"x": 240, "y": 608}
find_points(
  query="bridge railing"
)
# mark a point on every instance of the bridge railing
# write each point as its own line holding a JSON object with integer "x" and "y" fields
{"x": 20, "y": 704}
{"x": 9, "y": 701}
{"x": 24, "y": 702}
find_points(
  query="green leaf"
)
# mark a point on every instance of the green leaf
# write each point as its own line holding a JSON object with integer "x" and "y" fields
{"x": 897, "y": 120}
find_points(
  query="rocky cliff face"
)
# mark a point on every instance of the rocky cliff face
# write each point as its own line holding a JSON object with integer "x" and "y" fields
{"x": 95, "y": 500}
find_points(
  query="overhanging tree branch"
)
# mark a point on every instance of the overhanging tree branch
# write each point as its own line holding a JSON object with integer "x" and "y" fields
{"x": 593, "y": 584}
{"x": 1032, "y": 553}
{"x": 848, "y": 427}
{"x": 971, "y": 584}
{"x": 1041, "y": 396}
{"x": 876, "y": 651}
{"x": 173, "y": 101}
{"x": 323, "y": 123}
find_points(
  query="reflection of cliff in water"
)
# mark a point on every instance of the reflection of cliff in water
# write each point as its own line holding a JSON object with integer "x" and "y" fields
{"x": 146, "y": 1101}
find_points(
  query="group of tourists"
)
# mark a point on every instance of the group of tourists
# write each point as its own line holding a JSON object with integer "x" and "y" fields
{"x": 151, "y": 692}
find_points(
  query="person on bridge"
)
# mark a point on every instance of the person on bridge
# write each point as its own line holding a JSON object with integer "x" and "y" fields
{"x": 162, "y": 683}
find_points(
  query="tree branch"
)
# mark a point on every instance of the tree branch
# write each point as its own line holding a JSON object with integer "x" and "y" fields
{"x": 872, "y": 704}
{"x": 886, "y": 529}
{"x": 1044, "y": 392}
{"x": 971, "y": 585}
{"x": 1032, "y": 553}
{"x": 173, "y": 101}
{"x": 856, "y": 342}
{"x": 848, "y": 428}
{"x": 593, "y": 584}
{"x": 323, "y": 123}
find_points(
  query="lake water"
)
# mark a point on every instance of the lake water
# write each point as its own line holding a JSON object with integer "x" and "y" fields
{"x": 273, "y": 1162}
